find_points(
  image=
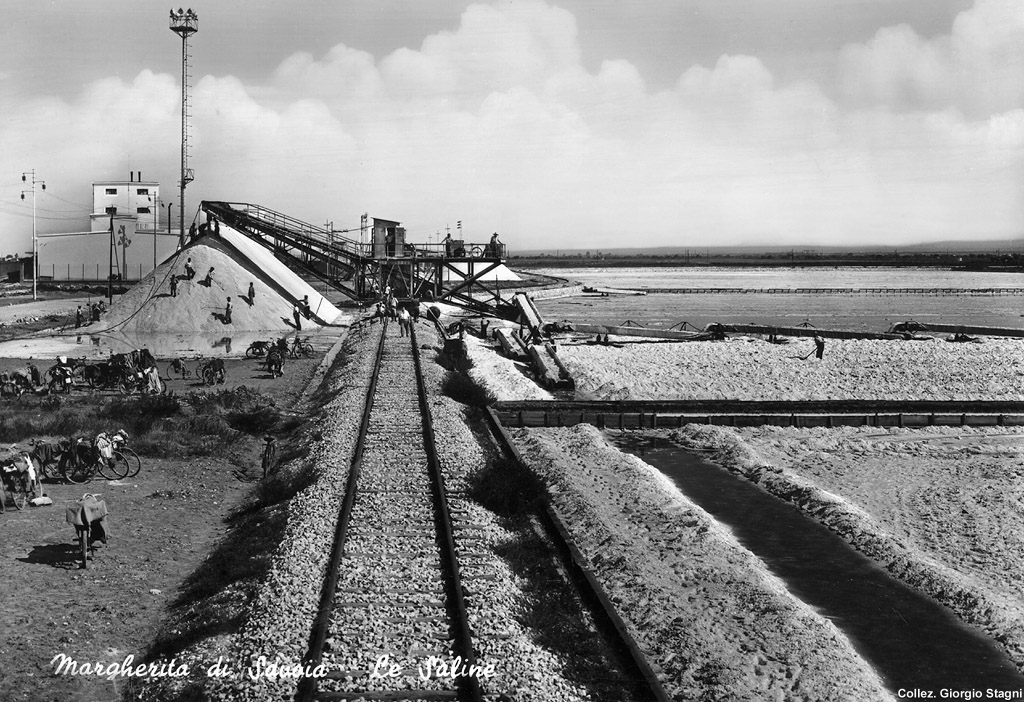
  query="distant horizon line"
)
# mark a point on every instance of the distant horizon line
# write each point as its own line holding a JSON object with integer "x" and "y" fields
{"x": 967, "y": 245}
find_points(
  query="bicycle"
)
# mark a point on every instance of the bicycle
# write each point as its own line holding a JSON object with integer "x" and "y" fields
{"x": 212, "y": 372}
{"x": 11, "y": 390}
{"x": 87, "y": 515}
{"x": 300, "y": 348}
{"x": 116, "y": 373}
{"x": 178, "y": 370}
{"x": 258, "y": 348}
{"x": 120, "y": 441}
{"x": 82, "y": 461}
{"x": 17, "y": 479}
{"x": 61, "y": 379}
{"x": 275, "y": 362}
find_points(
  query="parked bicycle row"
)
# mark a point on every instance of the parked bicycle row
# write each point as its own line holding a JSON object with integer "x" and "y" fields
{"x": 74, "y": 460}
{"x": 299, "y": 348}
{"x": 127, "y": 372}
{"x": 136, "y": 372}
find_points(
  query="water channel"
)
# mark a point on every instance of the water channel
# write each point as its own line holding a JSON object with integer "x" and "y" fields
{"x": 912, "y": 641}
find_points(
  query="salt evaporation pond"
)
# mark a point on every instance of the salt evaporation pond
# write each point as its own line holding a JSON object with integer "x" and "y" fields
{"x": 855, "y": 311}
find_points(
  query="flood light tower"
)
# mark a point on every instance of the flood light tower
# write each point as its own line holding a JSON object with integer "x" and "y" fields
{"x": 184, "y": 23}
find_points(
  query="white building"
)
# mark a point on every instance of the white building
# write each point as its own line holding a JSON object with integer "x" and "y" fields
{"x": 132, "y": 198}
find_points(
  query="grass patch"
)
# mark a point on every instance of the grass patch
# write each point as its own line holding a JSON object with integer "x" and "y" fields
{"x": 461, "y": 388}
{"x": 507, "y": 488}
{"x": 197, "y": 424}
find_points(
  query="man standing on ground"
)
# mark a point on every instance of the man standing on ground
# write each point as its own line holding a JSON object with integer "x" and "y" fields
{"x": 78, "y": 317}
{"x": 227, "y": 312}
{"x": 174, "y": 286}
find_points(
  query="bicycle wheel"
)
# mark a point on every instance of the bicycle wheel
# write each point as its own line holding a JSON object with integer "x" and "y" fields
{"x": 93, "y": 376}
{"x": 117, "y": 468}
{"x": 209, "y": 376}
{"x": 77, "y": 473}
{"x": 134, "y": 462}
{"x": 20, "y": 492}
{"x": 126, "y": 386}
{"x": 476, "y": 252}
{"x": 57, "y": 386}
{"x": 307, "y": 349}
{"x": 173, "y": 371}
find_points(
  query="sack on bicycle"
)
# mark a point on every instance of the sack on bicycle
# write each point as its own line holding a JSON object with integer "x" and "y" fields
{"x": 89, "y": 512}
{"x": 104, "y": 446}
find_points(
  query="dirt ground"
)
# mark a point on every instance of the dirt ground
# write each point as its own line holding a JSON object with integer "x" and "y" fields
{"x": 164, "y": 522}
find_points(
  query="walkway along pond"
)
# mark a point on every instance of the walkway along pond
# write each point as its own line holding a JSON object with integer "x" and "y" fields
{"x": 914, "y": 642}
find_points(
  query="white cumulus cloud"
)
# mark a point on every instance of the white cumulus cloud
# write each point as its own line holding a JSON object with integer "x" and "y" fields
{"x": 498, "y": 123}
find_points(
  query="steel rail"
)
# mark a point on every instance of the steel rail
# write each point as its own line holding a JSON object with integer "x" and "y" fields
{"x": 469, "y": 685}
{"x": 307, "y": 686}
{"x": 593, "y": 589}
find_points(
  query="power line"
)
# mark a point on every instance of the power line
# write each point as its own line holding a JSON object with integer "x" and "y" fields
{"x": 42, "y": 209}
{"x": 52, "y": 219}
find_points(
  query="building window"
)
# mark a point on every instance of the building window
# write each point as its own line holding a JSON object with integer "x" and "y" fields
{"x": 111, "y": 191}
{"x": 143, "y": 210}
{"x": 142, "y": 191}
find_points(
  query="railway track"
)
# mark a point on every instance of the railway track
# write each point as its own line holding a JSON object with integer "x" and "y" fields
{"x": 392, "y": 622}
{"x": 409, "y": 552}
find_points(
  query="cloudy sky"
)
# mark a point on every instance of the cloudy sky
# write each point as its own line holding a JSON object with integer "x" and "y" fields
{"x": 572, "y": 123}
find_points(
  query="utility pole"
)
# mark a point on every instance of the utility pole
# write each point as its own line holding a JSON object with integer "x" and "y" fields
{"x": 35, "y": 239}
{"x": 184, "y": 23}
{"x": 110, "y": 258}
{"x": 156, "y": 222}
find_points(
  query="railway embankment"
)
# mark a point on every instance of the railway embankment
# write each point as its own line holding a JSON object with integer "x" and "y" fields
{"x": 511, "y": 585}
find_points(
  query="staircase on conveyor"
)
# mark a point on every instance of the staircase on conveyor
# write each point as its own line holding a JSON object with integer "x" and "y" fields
{"x": 346, "y": 265}
{"x": 313, "y": 252}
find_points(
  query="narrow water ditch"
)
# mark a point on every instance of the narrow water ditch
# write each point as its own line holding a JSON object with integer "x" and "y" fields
{"x": 911, "y": 640}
